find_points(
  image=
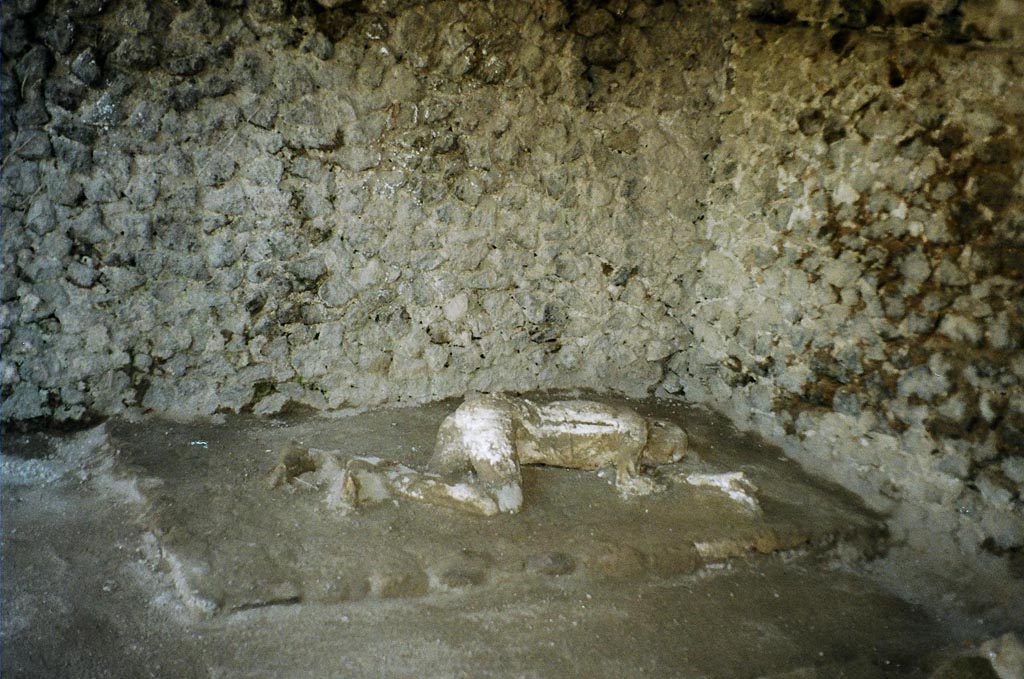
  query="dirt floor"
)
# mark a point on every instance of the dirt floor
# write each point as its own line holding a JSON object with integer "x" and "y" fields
{"x": 159, "y": 549}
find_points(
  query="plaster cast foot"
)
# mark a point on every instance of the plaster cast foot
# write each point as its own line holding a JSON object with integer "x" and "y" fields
{"x": 637, "y": 486}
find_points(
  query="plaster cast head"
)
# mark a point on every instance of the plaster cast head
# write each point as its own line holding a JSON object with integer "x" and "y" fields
{"x": 666, "y": 443}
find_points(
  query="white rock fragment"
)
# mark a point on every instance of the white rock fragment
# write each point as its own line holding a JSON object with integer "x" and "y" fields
{"x": 916, "y": 267}
{"x": 733, "y": 484}
{"x": 960, "y": 329}
{"x": 845, "y": 194}
{"x": 455, "y": 309}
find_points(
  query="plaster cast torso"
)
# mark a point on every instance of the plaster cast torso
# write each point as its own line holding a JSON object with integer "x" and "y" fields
{"x": 492, "y": 435}
{"x": 578, "y": 434}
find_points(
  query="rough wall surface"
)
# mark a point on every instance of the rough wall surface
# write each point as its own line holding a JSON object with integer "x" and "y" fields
{"x": 860, "y": 294}
{"x": 236, "y": 205}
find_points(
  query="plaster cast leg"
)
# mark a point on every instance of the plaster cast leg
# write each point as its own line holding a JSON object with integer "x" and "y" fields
{"x": 367, "y": 481}
{"x": 665, "y": 443}
{"x": 628, "y": 480}
{"x": 480, "y": 437}
{"x": 630, "y": 483}
{"x": 370, "y": 480}
{"x": 435, "y": 491}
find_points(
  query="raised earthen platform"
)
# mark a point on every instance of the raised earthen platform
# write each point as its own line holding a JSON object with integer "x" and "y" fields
{"x": 232, "y": 542}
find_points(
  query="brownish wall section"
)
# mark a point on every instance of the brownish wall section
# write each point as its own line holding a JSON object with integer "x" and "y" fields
{"x": 860, "y": 294}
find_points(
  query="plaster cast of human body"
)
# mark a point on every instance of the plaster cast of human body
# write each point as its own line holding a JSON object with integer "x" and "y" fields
{"x": 480, "y": 447}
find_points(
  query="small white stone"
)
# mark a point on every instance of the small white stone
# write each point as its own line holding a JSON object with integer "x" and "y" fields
{"x": 455, "y": 309}
{"x": 845, "y": 194}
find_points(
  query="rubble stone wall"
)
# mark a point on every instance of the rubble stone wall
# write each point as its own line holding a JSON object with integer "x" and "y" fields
{"x": 229, "y": 206}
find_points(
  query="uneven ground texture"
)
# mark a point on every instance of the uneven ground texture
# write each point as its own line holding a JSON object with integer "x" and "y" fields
{"x": 158, "y": 549}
